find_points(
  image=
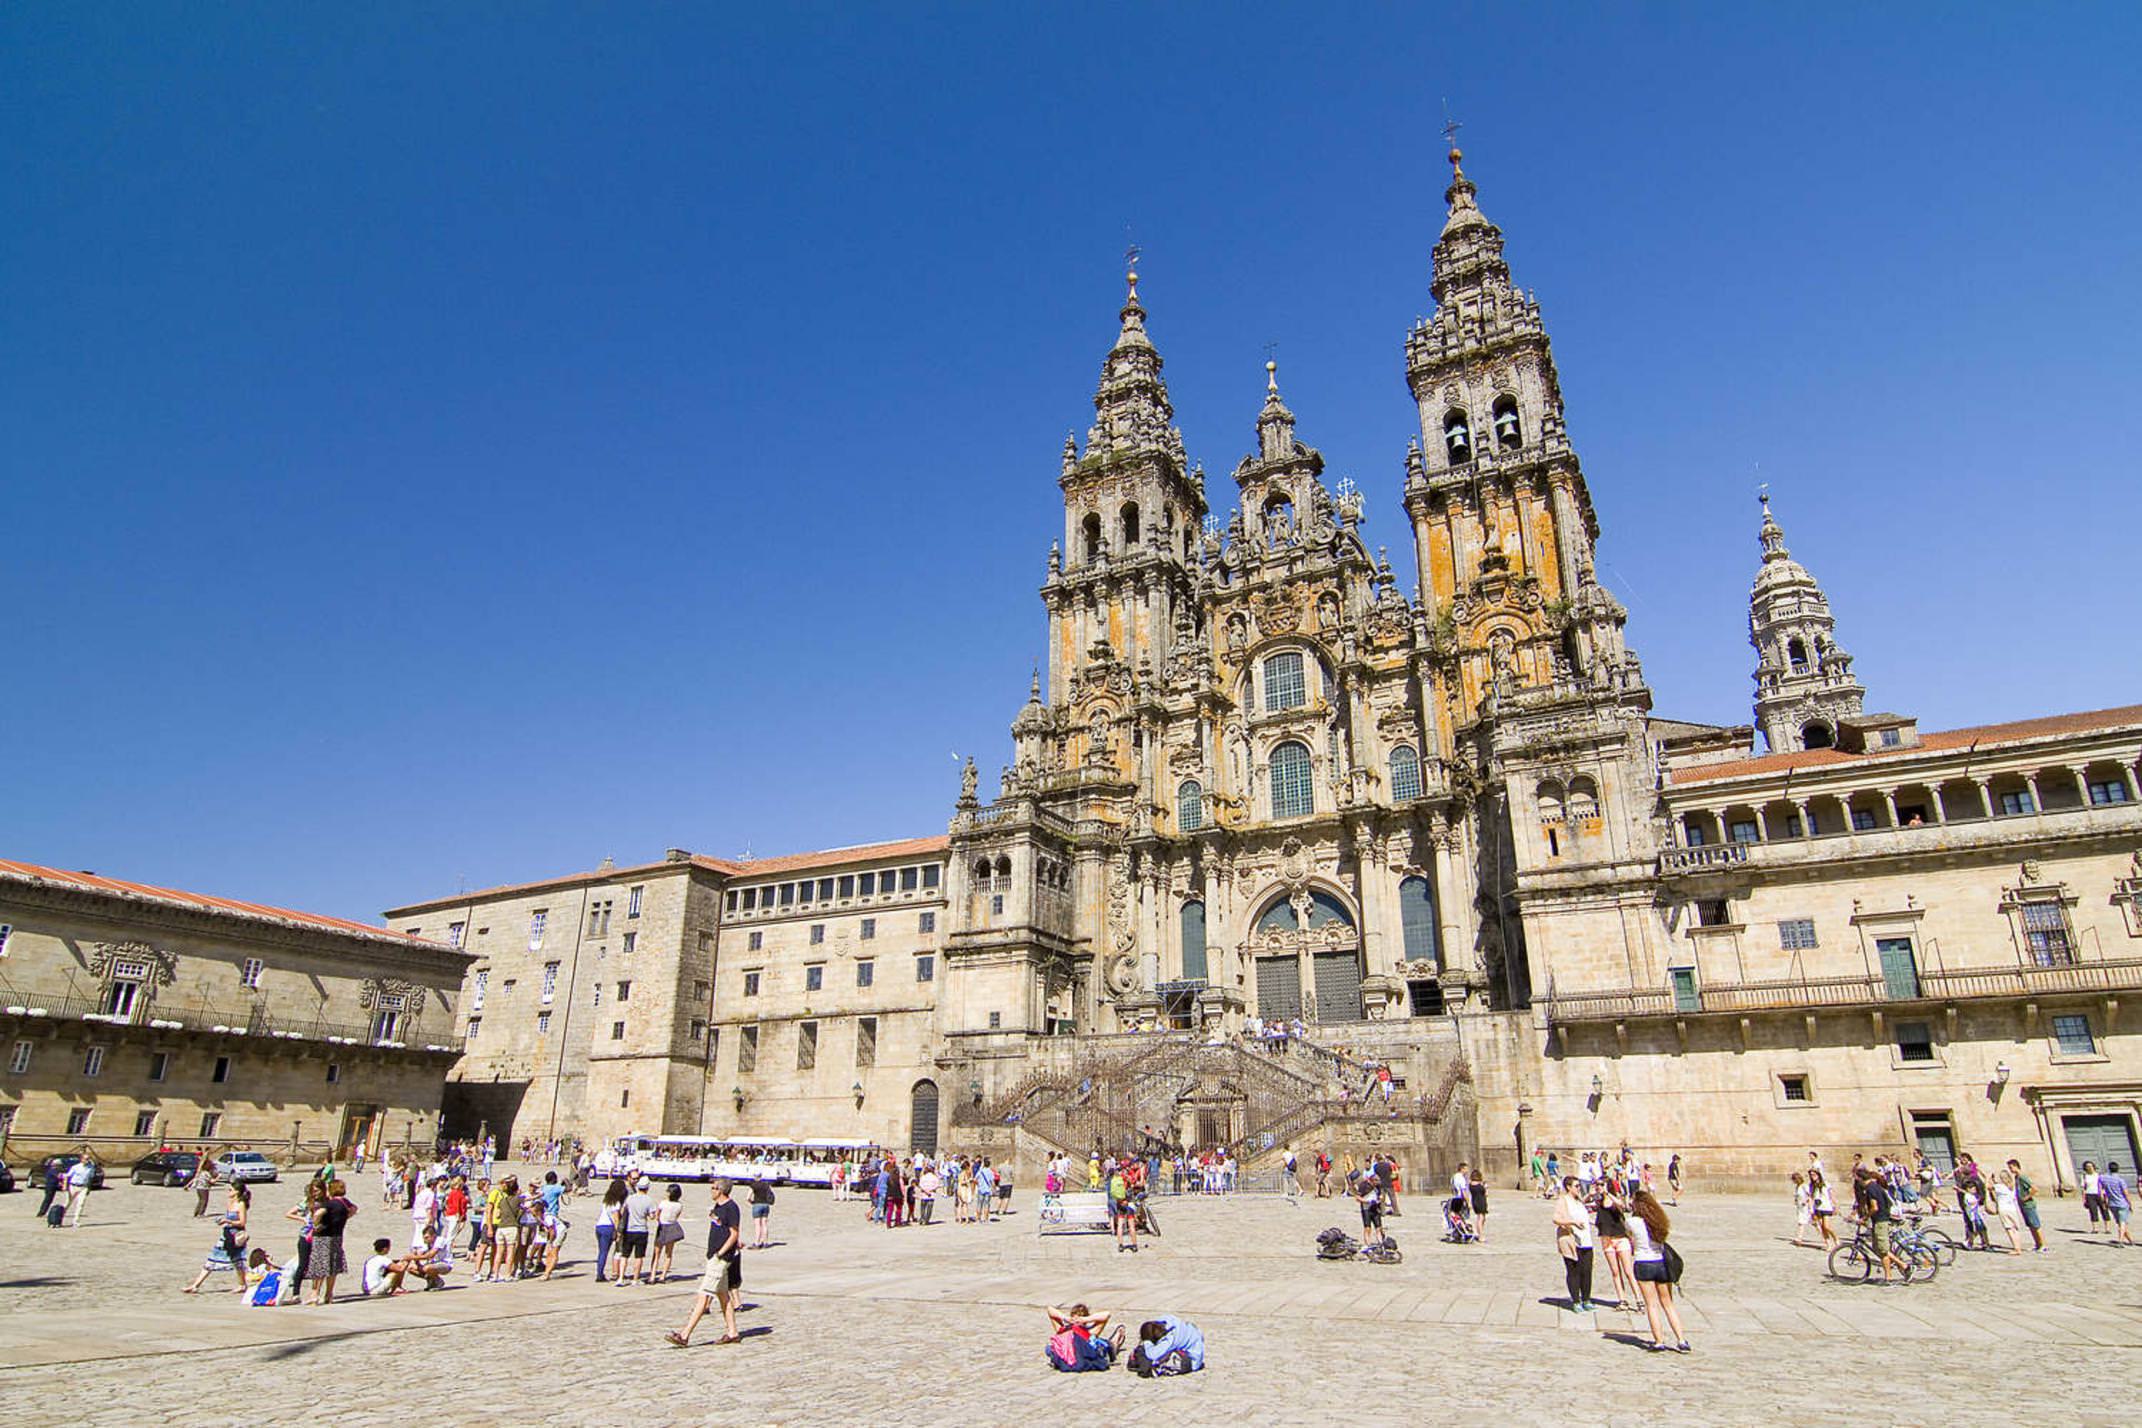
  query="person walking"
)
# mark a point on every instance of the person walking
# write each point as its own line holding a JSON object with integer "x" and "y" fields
{"x": 639, "y": 1212}
{"x": 985, "y": 1190}
{"x": 1822, "y": 1207}
{"x": 204, "y": 1181}
{"x": 668, "y": 1232}
{"x": 1617, "y": 1243}
{"x": 2005, "y": 1206}
{"x": 55, "y": 1181}
{"x": 2113, "y": 1186}
{"x": 762, "y": 1203}
{"x": 724, "y": 1274}
{"x": 608, "y": 1222}
{"x": 2027, "y": 1205}
{"x": 2093, "y": 1197}
{"x": 1873, "y": 1208}
{"x": 1655, "y": 1271}
{"x": 1803, "y": 1208}
{"x": 1573, "y": 1240}
{"x": 1673, "y": 1177}
{"x": 1476, "y": 1191}
{"x": 80, "y": 1176}
{"x": 229, "y": 1252}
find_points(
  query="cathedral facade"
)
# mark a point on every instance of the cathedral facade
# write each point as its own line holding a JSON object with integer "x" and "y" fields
{"x": 1261, "y": 783}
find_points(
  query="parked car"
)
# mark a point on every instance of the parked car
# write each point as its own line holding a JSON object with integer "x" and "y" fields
{"x": 166, "y": 1167}
{"x": 65, "y": 1163}
{"x": 247, "y": 1165}
{"x": 7, "y": 1181}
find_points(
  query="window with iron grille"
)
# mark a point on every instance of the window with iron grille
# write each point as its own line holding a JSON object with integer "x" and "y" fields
{"x": 806, "y": 1045}
{"x": 2045, "y": 934}
{"x": 1796, "y": 934}
{"x": 19, "y": 1062}
{"x": 542, "y": 1023}
{"x": 2072, "y": 1035}
{"x": 77, "y": 1121}
{"x": 926, "y": 923}
{"x": 1189, "y": 805}
{"x": 1795, "y": 1087}
{"x": 1915, "y": 1041}
{"x": 747, "y": 1050}
{"x": 1405, "y": 774}
{"x": 1293, "y": 794}
{"x": 617, "y": 1031}
{"x": 866, "y": 1041}
{"x": 1284, "y": 687}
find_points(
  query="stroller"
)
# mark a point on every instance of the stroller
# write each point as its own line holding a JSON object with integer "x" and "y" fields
{"x": 1336, "y": 1244}
{"x": 1457, "y": 1223}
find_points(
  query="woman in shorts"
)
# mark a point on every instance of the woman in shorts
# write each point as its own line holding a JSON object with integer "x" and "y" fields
{"x": 669, "y": 1230}
{"x": 1476, "y": 1191}
{"x": 1648, "y": 1227}
{"x": 1821, "y": 1207}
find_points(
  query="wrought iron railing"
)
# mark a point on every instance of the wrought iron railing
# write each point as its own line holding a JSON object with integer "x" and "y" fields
{"x": 250, "y": 1019}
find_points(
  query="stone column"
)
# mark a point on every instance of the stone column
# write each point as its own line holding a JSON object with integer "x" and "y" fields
{"x": 1889, "y": 801}
{"x": 1452, "y": 891}
{"x": 1807, "y": 818}
{"x": 1985, "y": 797}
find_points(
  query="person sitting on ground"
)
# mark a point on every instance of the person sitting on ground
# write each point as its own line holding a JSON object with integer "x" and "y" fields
{"x": 378, "y": 1268}
{"x": 1167, "y": 1346}
{"x": 1079, "y": 1342}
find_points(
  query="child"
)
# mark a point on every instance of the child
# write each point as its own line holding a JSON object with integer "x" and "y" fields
{"x": 1803, "y": 1205}
{"x": 267, "y": 1281}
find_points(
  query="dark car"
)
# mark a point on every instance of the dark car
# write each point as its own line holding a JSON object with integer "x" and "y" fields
{"x": 166, "y": 1167}
{"x": 63, "y": 1164}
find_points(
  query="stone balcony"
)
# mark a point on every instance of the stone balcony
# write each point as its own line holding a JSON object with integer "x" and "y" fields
{"x": 1860, "y": 845}
{"x": 21, "y": 1010}
{"x": 1934, "y": 985}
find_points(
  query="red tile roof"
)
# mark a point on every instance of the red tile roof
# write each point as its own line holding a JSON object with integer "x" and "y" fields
{"x": 202, "y": 902}
{"x": 728, "y": 867}
{"x": 1983, "y": 734}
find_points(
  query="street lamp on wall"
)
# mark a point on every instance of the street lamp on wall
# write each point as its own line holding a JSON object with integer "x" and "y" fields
{"x": 974, "y": 1089}
{"x": 736, "y": 1093}
{"x": 2001, "y": 1073}
{"x": 857, "y": 1091}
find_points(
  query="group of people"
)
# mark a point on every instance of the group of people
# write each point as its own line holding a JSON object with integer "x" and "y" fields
{"x": 1080, "y": 1341}
{"x": 1616, "y": 1218}
{"x": 74, "y": 1182}
{"x": 1885, "y": 1190}
{"x": 1547, "y": 1168}
{"x": 904, "y": 1190}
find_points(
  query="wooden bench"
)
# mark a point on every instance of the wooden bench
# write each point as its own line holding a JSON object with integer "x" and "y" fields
{"x": 1079, "y": 1210}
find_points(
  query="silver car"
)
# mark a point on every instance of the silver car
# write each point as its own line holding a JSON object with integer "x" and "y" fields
{"x": 243, "y": 1165}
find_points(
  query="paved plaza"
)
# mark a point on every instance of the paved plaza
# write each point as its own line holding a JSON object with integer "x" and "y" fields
{"x": 849, "y": 1324}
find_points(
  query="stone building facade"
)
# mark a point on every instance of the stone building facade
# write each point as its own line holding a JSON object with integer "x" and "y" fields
{"x": 1259, "y": 781}
{"x": 134, "y": 1016}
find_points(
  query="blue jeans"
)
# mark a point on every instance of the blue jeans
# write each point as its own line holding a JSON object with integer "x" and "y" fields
{"x": 1094, "y": 1356}
{"x": 604, "y": 1234}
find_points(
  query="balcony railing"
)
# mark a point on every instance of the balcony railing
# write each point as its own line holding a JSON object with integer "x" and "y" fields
{"x": 1689, "y": 860}
{"x": 1808, "y": 993}
{"x": 249, "y": 1021}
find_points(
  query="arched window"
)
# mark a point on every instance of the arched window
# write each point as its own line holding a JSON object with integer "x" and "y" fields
{"x": 1279, "y": 917}
{"x": 1816, "y": 736}
{"x": 1549, "y": 797}
{"x": 1457, "y": 435}
{"x": 1284, "y": 687}
{"x": 981, "y": 875}
{"x": 1405, "y": 774}
{"x": 1189, "y": 806}
{"x": 1324, "y": 909}
{"x": 1130, "y": 525}
{"x": 1194, "y": 941}
{"x": 1508, "y": 432}
{"x": 1293, "y": 796}
{"x": 1583, "y": 799}
{"x": 1796, "y": 655}
{"x": 1003, "y": 873}
{"x": 1416, "y": 914}
{"x": 1092, "y": 529}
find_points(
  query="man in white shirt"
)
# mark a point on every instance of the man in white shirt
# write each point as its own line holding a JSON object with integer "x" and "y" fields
{"x": 80, "y": 1175}
{"x": 423, "y": 1213}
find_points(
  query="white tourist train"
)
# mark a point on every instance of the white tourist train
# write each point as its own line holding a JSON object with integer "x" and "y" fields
{"x": 738, "y": 1157}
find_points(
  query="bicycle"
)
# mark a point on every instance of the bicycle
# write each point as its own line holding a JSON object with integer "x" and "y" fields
{"x": 1934, "y": 1241}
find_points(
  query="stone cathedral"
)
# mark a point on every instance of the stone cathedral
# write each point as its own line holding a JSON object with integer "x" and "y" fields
{"x": 1439, "y": 831}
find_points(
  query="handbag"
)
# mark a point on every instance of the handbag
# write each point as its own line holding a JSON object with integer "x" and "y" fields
{"x": 1673, "y": 1263}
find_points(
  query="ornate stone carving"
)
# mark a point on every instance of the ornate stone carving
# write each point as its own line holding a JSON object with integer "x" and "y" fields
{"x": 1279, "y": 612}
{"x": 105, "y": 957}
{"x": 376, "y": 988}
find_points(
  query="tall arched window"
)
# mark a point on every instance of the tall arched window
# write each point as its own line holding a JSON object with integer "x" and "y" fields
{"x": 1508, "y": 432}
{"x": 1796, "y": 655}
{"x": 1284, "y": 687}
{"x": 1092, "y": 531}
{"x": 1194, "y": 941}
{"x": 1405, "y": 774}
{"x": 1293, "y": 795}
{"x": 1457, "y": 435}
{"x": 1189, "y": 806}
{"x": 1416, "y": 915}
{"x": 1130, "y": 525}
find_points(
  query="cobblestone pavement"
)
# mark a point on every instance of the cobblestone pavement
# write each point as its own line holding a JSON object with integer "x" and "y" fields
{"x": 848, "y": 1323}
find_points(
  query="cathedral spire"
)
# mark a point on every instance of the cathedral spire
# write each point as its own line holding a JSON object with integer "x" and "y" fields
{"x": 1468, "y": 255}
{"x": 1275, "y": 424}
{"x": 1130, "y": 406}
{"x": 1804, "y": 683}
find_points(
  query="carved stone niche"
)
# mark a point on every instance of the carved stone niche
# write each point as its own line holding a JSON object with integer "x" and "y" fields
{"x": 160, "y": 967}
{"x": 375, "y": 989}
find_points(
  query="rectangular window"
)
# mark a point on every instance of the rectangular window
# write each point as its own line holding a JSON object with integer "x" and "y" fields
{"x": 211, "y": 1124}
{"x": 870, "y": 928}
{"x": 1794, "y": 1087}
{"x": 700, "y": 990}
{"x": 847, "y": 885}
{"x": 806, "y": 1045}
{"x": 1915, "y": 1041}
{"x": 757, "y": 941}
{"x": 728, "y": 902}
{"x": 788, "y": 894}
{"x": 751, "y": 899}
{"x": 1900, "y": 968}
{"x": 1862, "y": 819}
{"x": 617, "y": 1031}
{"x": 632, "y": 940}
{"x": 818, "y": 934}
{"x": 747, "y": 1051}
{"x": 542, "y": 1023}
{"x": 1742, "y": 831}
{"x": 334, "y": 1072}
{"x": 699, "y": 1030}
{"x": 550, "y": 982}
{"x": 864, "y": 971}
{"x": 932, "y": 874}
{"x": 536, "y": 921}
{"x": 908, "y": 878}
{"x": 476, "y": 1026}
{"x": 2045, "y": 934}
{"x": 2072, "y": 1035}
{"x": 865, "y": 883}
{"x": 1713, "y": 912}
{"x": 483, "y": 981}
{"x": 93, "y": 1061}
{"x": 825, "y": 889}
{"x": 996, "y": 905}
{"x": 1685, "y": 996}
{"x": 2016, "y": 801}
{"x": 1891, "y": 738}
{"x": 751, "y": 984}
{"x": 598, "y": 918}
{"x": 144, "y": 1123}
{"x": 926, "y": 923}
{"x": 159, "y": 1065}
{"x": 926, "y": 968}
{"x": 19, "y": 1062}
{"x": 5, "y": 932}
{"x": 706, "y": 942}
{"x": 507, "y": 989}
{"x": 249, "y": 972}
{"x": 1796, "y": 934}
{"x": 624, "y": 991}
{"x": 222, "y": 1072}
{"x": 77, "y": 1121}
{"x": 866, "y": 1041}
{"x": 996, "y": 1019}
{"x": 804, "y": 893}
{"x": 814, "y": 976}
{"x": 455, "y": 931}
{"x": 2102, "y": 792}
{"x": 632, "y": 901}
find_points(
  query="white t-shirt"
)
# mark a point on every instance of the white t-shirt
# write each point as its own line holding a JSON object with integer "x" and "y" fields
{"x": 638, "y": 1205}
{"x": 80, "y": 1174}
{"x": 1459, "y": 1186}
{"x": 669, "y": 1211}
{"x": 2089, "y": 1183}
{"x": 426, "y": 1201}
{"x": 375, "y": 1273}
{"x": 1581, "y": 1227}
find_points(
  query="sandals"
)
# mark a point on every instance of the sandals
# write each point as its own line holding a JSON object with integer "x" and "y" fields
{"x": 730, "y": 1339}
{"x": 678, "y": 1339}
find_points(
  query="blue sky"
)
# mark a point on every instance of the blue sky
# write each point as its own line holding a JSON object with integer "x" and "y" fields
{"x": 446, "y": 448}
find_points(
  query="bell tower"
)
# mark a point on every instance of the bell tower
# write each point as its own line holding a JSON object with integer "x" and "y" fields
{"x": 1804, "y": 683}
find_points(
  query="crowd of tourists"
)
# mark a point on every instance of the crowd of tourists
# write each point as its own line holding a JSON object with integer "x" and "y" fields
{"x": 1883, "y": 1191}
{"x": 904, "y": 1190}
